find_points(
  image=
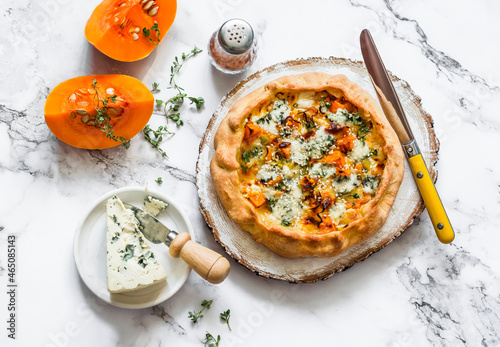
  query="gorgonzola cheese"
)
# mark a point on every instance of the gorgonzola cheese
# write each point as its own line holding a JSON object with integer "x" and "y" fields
{"x": 270, "y": 121}
{"x": 344, "y": 184}
{"x": 153, "y": 206}
{"x": 131, "y": 265}
{"x": 306, "y": 99}
{"x": 360, "y": 151}
{"x": 267, "y": 172}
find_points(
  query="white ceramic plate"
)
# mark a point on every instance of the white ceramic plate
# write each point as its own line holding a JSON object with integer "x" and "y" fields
{"x": 90, "y": 251}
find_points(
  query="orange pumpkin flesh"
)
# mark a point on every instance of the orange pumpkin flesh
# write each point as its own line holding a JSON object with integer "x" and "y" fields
{"x": 70, "y": 109}
{"x": 114, "y": 25}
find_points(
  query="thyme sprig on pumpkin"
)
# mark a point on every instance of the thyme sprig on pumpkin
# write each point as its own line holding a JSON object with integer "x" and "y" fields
{"x": 147, "y": 33}
{"x": 102, "y": 119}
{"x": 171, "y": 107}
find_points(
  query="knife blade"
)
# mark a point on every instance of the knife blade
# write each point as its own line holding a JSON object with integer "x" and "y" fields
{"x": 395, "y": 114}
{"x": 207, "y": 263}
{"x": 154, "y": 230}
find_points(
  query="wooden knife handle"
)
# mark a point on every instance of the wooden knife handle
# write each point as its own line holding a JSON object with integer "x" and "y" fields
{"x": 437, "y": 213}
{"x": 210, "y": 265}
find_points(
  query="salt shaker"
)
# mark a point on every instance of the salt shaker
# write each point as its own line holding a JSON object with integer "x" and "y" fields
{"x": 233, "y": 48}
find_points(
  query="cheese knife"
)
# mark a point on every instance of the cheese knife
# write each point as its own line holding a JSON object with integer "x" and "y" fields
{"x": 394, "y": 112}
{"x": 210, "y": 265}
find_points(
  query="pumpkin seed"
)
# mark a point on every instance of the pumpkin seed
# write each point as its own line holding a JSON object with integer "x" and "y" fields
{"x": 72, "y": 115}
{"x": 81, "y": 112}
{"x": 85, "y": 118}
{"x": 90, "y": 122}
{"x": 115, "y": 111}
{"x": 148, "y": 5}
{"x": 72, "y": 97}
{"x": 135, "y": 36}
{"x": 110, "y": 91}
{"x": 143, "y": 1}
{"x": 153, "y": 11}
{"x": 137, "y": 29}
{"x": 124, "y": 23}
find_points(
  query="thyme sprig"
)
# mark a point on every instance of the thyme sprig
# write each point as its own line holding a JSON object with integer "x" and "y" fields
{"x": 158, "y": 137}
{"x": 171, "y": 107}
{"x": 196, "y": 316}
{"x": 102, "y": 119}
{"x": 224, "y": 316}
{"x": 155, "y": 87}
{"x": 211, "y": 341}
{"x": 147, "y": 33}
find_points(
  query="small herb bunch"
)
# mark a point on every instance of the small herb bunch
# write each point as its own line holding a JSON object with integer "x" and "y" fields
{"x": 102, "y": 119}
{"x": 172, "y": 106}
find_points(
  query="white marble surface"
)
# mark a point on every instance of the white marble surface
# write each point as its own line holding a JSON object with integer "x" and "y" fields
{"x": 415, "y": 292}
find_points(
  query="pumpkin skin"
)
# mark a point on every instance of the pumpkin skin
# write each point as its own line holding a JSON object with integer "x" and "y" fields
{"x": 73, "y": 102}
{"x": 111, "y": 27}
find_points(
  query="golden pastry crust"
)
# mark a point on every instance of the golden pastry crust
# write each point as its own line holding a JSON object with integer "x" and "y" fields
{"x": 295, "y": 241}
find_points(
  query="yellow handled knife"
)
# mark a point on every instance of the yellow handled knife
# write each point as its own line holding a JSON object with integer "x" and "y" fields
{"x": 394, "y": 112}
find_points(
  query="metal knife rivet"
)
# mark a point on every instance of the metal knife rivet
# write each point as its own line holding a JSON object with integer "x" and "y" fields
{"x": 440, "y": 226}
{"x": 420, "y": 175}
{"x": 410, "y": 150}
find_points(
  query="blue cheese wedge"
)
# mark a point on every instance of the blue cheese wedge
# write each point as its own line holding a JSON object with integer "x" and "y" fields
{"x": 153, "y": 206}
{"x": 131, "y": 264}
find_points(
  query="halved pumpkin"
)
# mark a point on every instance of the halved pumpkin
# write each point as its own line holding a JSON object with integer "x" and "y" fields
{"x": 129, "y": 30}
{"x": 124, "y": 104}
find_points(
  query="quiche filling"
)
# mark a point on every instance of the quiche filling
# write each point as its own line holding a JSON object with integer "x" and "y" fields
{"x": 310, "y": 161}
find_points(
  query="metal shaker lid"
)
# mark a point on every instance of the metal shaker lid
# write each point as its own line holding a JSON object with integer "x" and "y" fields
{"x": 236, "y": 36}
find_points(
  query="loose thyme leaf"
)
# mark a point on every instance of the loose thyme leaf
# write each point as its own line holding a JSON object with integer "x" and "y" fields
{"x": 224, "y": 316}
{"x": 155, "y": 87}
{"x": 159, "y": 180}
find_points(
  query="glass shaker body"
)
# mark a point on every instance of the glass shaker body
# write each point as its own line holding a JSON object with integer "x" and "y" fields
{"x": 233, "y": 48}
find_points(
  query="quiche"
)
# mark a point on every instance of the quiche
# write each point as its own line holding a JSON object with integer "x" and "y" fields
{"x": 308, "y": 165}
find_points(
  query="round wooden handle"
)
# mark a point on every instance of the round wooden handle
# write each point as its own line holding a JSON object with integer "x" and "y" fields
{"x": 210, "y": 265}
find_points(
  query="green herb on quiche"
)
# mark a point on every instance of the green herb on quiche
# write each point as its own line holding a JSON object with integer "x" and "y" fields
{"x": 247, "y": 155}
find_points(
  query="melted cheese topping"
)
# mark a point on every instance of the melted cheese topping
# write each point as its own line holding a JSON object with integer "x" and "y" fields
{"x": 317, "y": 158}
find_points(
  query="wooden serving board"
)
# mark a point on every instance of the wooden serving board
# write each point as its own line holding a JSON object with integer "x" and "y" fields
{"x": 256, "y": 257}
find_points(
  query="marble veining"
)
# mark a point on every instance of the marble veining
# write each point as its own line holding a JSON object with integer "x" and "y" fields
{"x": 414, "y": 292}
